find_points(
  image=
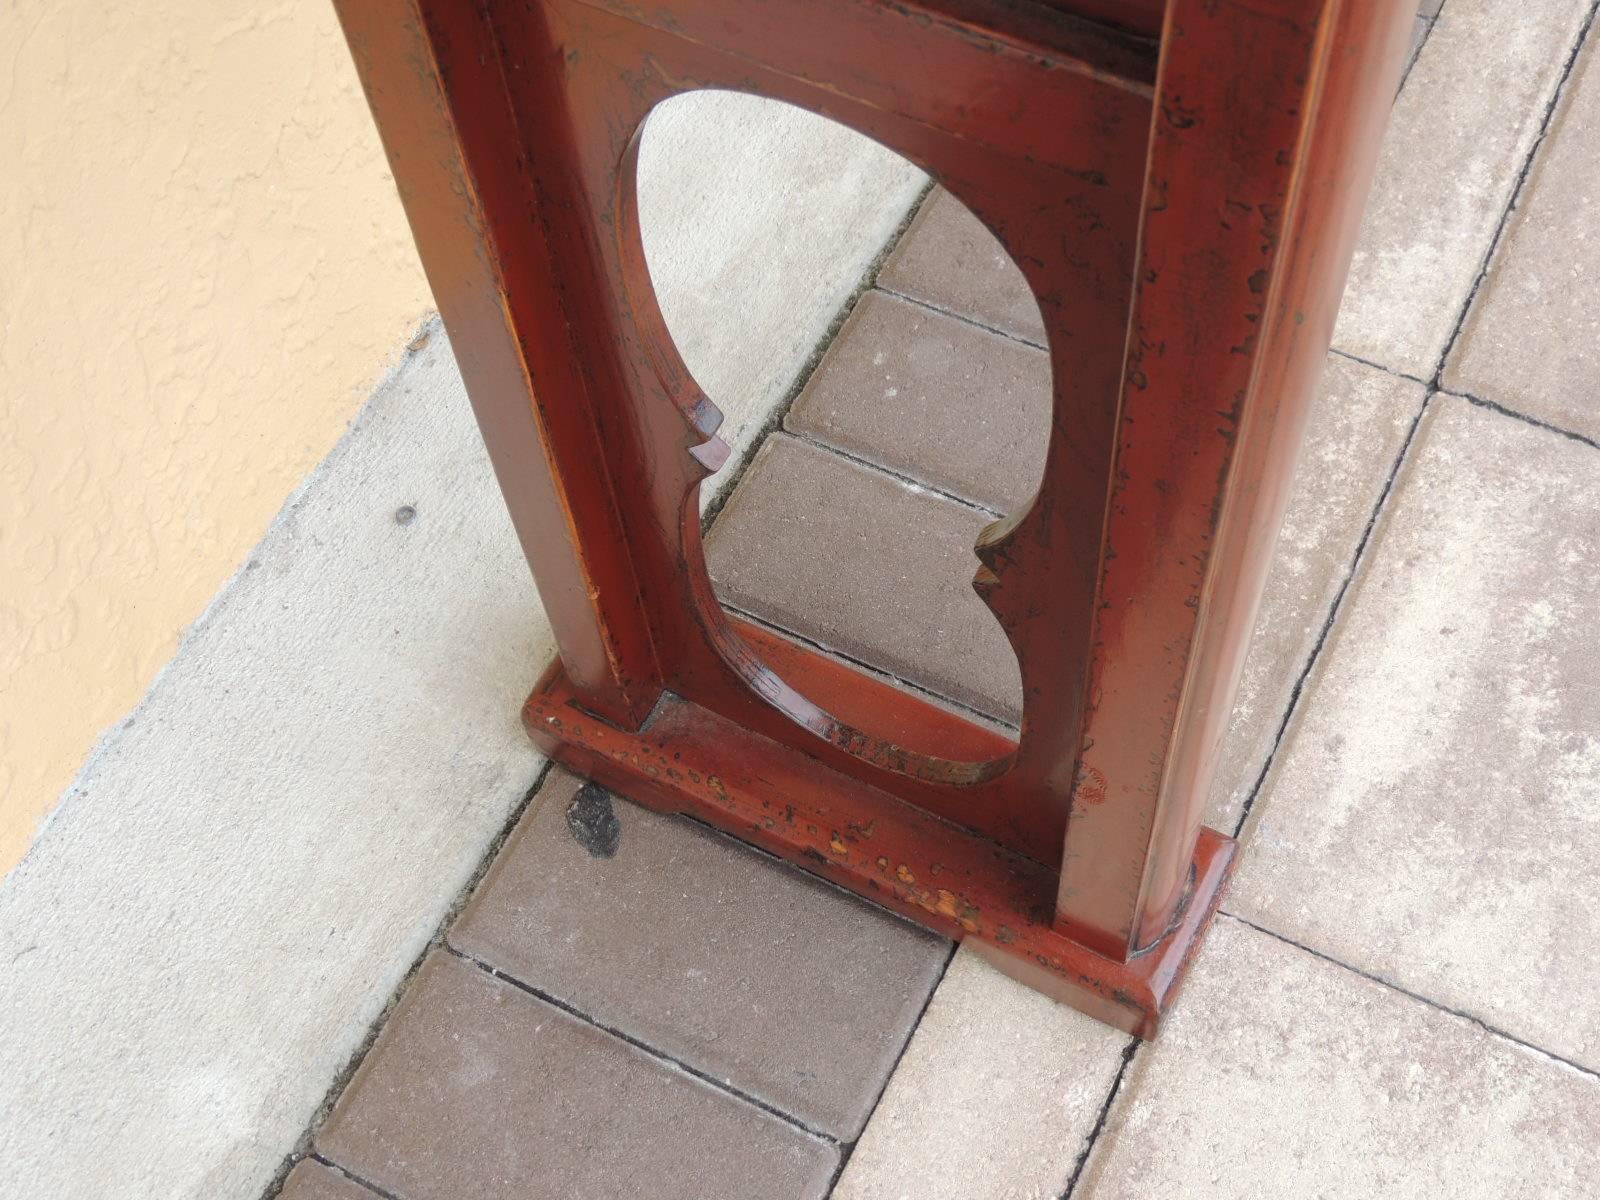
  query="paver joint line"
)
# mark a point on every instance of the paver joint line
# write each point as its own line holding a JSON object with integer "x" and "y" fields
{"x": 314, "y": 1156}
{"x": 1333, "y": 614}
{"x": 1376, "y": 366}
{"x": 341, "y": 1080}
{"x": 847, "y": 1149}
{"x": 963, "y": 318}
{"x": 729, "y": 478}
{"x": 1416, "y": 51}
{"x": 1129, "y": 1052}
{"x": 1420, "y": 999}
{"x": 914, "y": 484}
{"x": 1494, "y": 407}
{"x": 1556, "y": 95}
{"x": 676, "y": 1063}
{"x": 898, "y": 681}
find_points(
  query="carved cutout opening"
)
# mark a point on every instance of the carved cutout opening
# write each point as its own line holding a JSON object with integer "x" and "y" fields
{"x": 853, "y": 502}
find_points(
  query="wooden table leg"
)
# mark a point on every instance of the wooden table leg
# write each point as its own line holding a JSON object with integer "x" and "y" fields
{"x": 1182, "y": 209}
{"x": 1264, "y": 144}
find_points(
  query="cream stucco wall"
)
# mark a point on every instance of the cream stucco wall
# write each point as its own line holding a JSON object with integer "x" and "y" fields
{"x": 203, "y": 268}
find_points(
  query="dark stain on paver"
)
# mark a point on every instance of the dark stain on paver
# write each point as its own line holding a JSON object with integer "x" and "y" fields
{"x": 593, "y": 821}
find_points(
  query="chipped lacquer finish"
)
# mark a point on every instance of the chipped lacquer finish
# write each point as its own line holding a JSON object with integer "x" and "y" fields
{"x": 1181, "y": 192}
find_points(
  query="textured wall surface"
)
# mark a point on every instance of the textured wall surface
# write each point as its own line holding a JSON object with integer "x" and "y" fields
{"x": 203, "y": 269}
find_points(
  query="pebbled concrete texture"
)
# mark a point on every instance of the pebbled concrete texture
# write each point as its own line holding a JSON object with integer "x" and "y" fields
{"x": 1461, "y": 132}
{"x": 995, "y": 1096}
{"x": 233, "y": 887}
{"x": 1281, "y": 1074}
{"x": 1434, "y": 814}
{"x": 245, "y": 869}
{"x": 1532, "y": 340}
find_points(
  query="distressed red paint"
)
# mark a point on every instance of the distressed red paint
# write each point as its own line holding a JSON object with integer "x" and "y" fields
{"x": 1180, "y": 187}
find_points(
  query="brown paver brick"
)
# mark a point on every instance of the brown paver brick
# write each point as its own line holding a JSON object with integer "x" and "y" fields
{"x": 926, "y": 395}
{"x": 867, "y": 565}
{"x": 949, "y": 259}
{"x": 310, "y": 1180}
{"x": 725, "y": 959}
{"x": 477, "y": 1089}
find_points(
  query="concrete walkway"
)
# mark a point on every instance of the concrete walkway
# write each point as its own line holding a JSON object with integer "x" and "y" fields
{"x": 1398, "y": 1000}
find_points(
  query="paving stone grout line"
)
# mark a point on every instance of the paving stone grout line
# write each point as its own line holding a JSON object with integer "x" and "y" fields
{"x": 1333, "y": 614}
{"x": 1556, "y": 97}
{"x": 1376, "y": 366}
{"x": 659, "y": 1056}
{"x": 908, "y": 481}
{"x": 302, "y": 1148}
{"x": 352, "y": 1176}
{"x": 962, "y": 317}
{"x": 1496, "y": 407}
{"x": 1420, "y": 999}
{"x": 1416, "y": 52}
{"x": 908, "y": 685}
{"x": 1129, "y": 1052}
{"x": 848, "y": 1149}
{"x": 780, "y": 411}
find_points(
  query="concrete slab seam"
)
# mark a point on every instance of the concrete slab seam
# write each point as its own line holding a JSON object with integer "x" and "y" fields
{"x": 342, "y": 1078}
{"x": 1545, "y": 120}
{"x": 1495, "y": 407}
{"x": 660, "y": 1056}
{"x": 1420, "y": 999}
{"x": 780, "y": 411}
{"x": 353, "y": 1177}
{"x": 1129, "y": 1052}
{"x": 964, "y": 319}
{"x": 1332, "y": 618}
{"x": 915, "y": 485}
{"x": 847, "y": 1149}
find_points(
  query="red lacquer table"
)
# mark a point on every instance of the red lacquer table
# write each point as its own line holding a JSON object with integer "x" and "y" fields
{"x": 1180, "y": 183}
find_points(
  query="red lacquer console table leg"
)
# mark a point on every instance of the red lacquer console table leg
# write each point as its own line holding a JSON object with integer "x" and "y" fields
{"x": 1182, "y": 195}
